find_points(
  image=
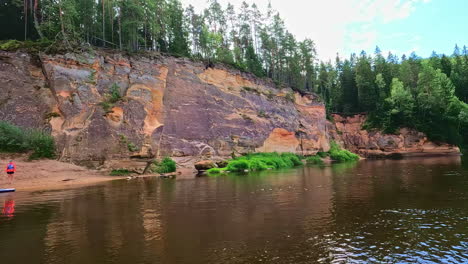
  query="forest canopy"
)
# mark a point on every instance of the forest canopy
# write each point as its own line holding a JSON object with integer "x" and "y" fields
{"x": 428, "y": 94}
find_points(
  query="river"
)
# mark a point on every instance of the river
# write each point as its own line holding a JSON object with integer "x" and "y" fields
{"x": 393, "y": 211}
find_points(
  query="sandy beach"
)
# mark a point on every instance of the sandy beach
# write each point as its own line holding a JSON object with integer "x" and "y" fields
{"x": 50, "y": 174}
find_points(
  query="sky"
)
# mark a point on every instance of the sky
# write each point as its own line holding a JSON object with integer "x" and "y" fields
{"x": 347, "y": 26}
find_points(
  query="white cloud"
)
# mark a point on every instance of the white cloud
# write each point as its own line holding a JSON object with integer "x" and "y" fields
{"x": 335, "y": 25}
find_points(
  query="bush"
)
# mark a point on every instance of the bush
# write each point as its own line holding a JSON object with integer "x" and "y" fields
{"x": 120, "y": 172}
{"x": 238, "y": 165}
{"x": 111, "y": 98}
{"x": 322, "y": 154}
{"x": 294, "y": 159}
{"x": 263, "y": 161}
{"x": 167, "y": 165}
{"x": 314, "y": 160}
{"x": 257, "y": 164}
{"x": 18, "y": 140}
{"x": 43, "y": 145}
{"x": 341, "y": 155}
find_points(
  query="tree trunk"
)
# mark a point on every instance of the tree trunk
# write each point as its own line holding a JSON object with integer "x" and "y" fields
{"x": 25, "y": 19}
{"x": 36, "y": 21}
{"x": 103, "y": 24}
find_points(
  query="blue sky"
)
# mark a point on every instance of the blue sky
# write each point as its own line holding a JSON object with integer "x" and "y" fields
{"x": 346, "y": 26}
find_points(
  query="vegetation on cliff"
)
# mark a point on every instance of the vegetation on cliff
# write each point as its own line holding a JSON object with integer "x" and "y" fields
{"x": 14, "y": 139}
{"x": 259, "y": 162}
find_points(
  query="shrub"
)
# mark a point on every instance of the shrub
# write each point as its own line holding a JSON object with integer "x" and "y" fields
{"x": 120, "y": 172}
{"x": 167, "y": 165}
{"x": 43, "y": 145}
{"x": 322, "y": 154}
{"x": 314, "y": 160}
{"x": 114, "y": 95}
{"x": 17, "y": 140}
{"x": 341, "y": 155}
{"x": 132, "y": 147}
{"x": 292, "y": 158}
{"x": 111, "y": 98}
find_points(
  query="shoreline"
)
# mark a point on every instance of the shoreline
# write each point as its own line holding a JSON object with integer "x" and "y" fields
{"x": 43, "y": 175}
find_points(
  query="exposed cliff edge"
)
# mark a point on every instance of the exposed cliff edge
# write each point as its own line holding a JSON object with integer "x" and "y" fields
{"x": 374, "y": 144}
{"x": 173, "y": 107}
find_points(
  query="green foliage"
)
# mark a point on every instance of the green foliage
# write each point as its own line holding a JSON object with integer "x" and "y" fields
{"x": 167, "y": 165}
{"x": 264, "y": 161}
{"x": 31, "y": 46}
{"x": 262, "y": 114}
{"x": 215, "y": 171}
{"x": 92, "y": 77}
{"x": 132, "y": 147}
{"x": 341, "y": 155}
{"x": 120, "y": 172}
{"x": 290, "y": 97}
{"x": 111, "y": 98}
{"x": 316, "y": 160}
{"x": 114, "y": 95}
{"x": 238, "y": 165}
{"x": 322, "y": 154}
{"x": 18, "y": 140}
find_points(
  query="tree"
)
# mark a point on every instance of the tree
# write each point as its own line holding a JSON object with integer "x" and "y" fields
{"x": 400, "y": 107}
{"x": 365, "y": 82}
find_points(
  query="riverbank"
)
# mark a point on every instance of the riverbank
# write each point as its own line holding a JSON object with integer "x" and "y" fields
{"x": 51, "y": 174}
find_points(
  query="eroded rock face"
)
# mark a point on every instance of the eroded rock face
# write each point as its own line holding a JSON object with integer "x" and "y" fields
{"x": 348, "y": 132}
{"x": 170, "y": 107}
{"x": 174, "y": 107}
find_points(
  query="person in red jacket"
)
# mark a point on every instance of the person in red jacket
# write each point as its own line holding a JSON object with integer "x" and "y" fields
{"x": 10, "y": 170}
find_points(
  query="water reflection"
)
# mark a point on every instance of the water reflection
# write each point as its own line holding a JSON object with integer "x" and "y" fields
{"x": 404, "y": 211}
{"x": 8, "y": 207}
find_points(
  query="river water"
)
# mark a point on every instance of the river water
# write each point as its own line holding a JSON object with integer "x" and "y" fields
{"x": 405, "y": 211}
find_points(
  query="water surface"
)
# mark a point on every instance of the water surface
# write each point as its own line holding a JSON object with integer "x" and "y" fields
{"x": 406, "y": 211}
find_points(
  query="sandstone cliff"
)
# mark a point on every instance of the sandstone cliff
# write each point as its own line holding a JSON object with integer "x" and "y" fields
{"x": 348, "y": 131}
{"x": 169, "y": 106}
{"x": 174, "y": 107}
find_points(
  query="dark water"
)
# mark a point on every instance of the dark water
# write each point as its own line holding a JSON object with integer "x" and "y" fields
{"x": 407, "y": 211}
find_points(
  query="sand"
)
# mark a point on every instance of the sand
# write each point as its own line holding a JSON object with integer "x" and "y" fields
{"x": 50, "y": 174}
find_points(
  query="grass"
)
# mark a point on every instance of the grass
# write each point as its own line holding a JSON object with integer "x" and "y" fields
{"x": 167, "y": 165}
{"x": 216, "y": 171}
{"x": 262, "y": 161}
{"x": 14, "y": 139}
{"x": 316, "y": 160}
{"x": 120, "y": 172}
